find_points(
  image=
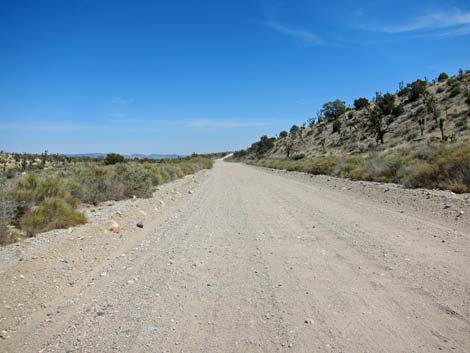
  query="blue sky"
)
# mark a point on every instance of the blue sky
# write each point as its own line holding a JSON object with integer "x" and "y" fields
{"x": 200, "y": 76}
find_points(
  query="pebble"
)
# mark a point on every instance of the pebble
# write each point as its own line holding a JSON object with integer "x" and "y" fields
{"x": 100, "y": 313}
{"x": 140, "y": 224}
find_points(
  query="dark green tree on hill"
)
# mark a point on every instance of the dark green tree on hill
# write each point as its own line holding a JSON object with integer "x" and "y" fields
{"x": 294, "y": 131}
{"x": 442, "y": 77}
{"x": 264, "y": 144}
{"x": 333, "y": 110}
{"x": 361, "y": 103}
{"x": 385, "y": 102}
{"x": 417, "y": 89}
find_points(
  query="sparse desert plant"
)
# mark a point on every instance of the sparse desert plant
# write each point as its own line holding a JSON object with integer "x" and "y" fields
{"x": 455, "y": 90}
{"x": 52, "y": 213}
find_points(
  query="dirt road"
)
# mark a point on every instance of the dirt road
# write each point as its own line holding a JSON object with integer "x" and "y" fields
{"x": 242, "y": 259}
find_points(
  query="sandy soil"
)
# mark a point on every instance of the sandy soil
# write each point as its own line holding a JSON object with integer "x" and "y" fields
{"x": 244, "y": 259}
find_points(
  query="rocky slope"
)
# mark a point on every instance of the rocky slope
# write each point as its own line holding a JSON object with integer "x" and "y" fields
{"x": 445, "y": 99}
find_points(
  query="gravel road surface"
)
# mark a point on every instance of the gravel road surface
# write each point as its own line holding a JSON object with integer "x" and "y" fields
{"x": 245, "y": 259}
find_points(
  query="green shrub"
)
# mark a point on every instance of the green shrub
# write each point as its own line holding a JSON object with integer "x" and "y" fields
{"x": 30, "y": 189}
{"x": 455, "y": 90}
{"x": 7, "y": 213}
{"x": 361, "y": 103}
{"x": 46, "y": 201}
{"x": 350, "y": 167}
{"x": 417, "y": 89}
{"x": 398, "y": 110}
{"x": 298, "y": 156}
{"x": 442, "y": 77}
{"x": 52, "y": 213}
{"x": 386, "y": 102}
{"x": 324, "y": 165}
{"x": 113, "y": 158}
{"x": 337, "y": 126}
{"x": 333, "y": 110}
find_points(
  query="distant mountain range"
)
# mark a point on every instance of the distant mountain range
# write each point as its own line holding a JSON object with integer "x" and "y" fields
{"x": 127, "y": 156}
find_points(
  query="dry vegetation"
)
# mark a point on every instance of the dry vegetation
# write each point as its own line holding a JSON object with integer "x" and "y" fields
{"x": 431, "y": 166}
{"x": 38, "y": 199}
{"x": 418, "y": 137}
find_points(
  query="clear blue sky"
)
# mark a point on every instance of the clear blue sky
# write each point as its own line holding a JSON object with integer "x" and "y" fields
{"x": 184, "y": 76}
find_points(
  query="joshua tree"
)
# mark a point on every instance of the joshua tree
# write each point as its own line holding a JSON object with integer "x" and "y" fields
{"x": 289, "y": 146}
{"x": 421, "y": 125}
{"x": 376, "y": 119}
{"x": 431, "y": 107}
{"x": 441, "y": 127}
{"x": 323, "y": 143}
{"x": 467, "y": 102}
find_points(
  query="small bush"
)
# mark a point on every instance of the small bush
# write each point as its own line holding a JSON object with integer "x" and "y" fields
{"x": 386, "y": 102}
{"x": 417, "y": 89}
{"x": 113, "y": 158}
{"x": 52, "y": 213}
{"x": 298, "y": 156}
{"x": 337, "y": 126}
{"x": 323, "y": 165}
{"x": 440, "y": 90}
{"x": 442, "y": 77}
{"x": 455, "y": 90}
{"x": 398, "y": 110}
{"x": 361, "y": 103}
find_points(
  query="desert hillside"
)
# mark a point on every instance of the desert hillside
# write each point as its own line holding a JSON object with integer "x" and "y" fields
{"x": 417, "y": 136}
{"x": 418, "y": 105}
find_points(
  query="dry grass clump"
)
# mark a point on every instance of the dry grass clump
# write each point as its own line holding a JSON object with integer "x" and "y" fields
{"x": 428, "y": 166}
{"x": 52, "y": 213}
